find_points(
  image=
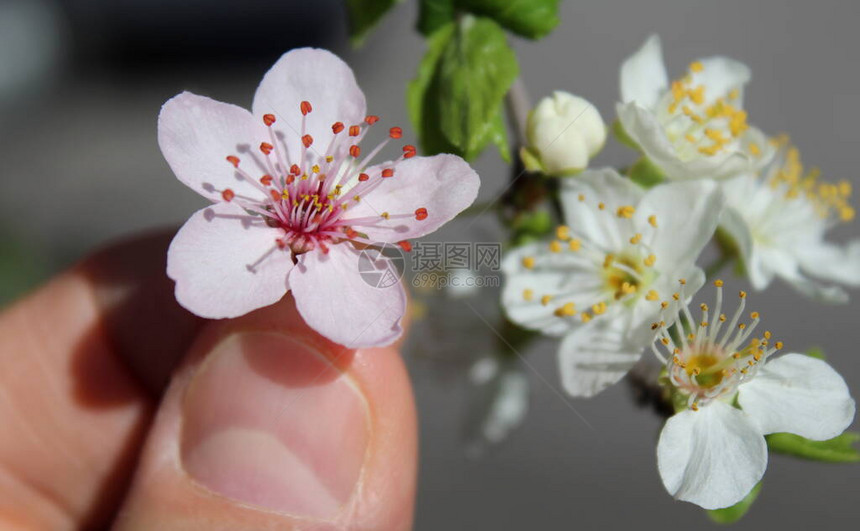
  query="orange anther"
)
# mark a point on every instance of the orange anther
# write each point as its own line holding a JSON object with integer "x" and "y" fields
{"x": 371, "y": 119}
{"x": 266, "y": 148}
{"x": 409, "y": 151}
{"x": 355, "y": 151}
{"x": 421, "y": 214}
{"x": 405, "y": 245}
{"x": 363, "y": 177}
{"x": 305, "y": 106}
{"x": 395, "y": 132}
{"x": 307, "y": 140}
{"x": 266, "y": 180}
{"x": 354, "y": 130}
{"x": 268, "y": 119}
{"x": 388, "y": 172}
{"x": 337, "y": 127}
{"x": 228, "y": 194}
{"x": 232, "y": 159}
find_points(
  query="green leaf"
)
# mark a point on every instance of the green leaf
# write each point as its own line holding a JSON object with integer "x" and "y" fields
{"x": 645, "y": 173}
{"x": 363, "y": 15}
{"x": 839, "y": 449}
{"x": 530, "y": 18}
{"x": 434, "y": 14}
{"x": 476, "y": 70}
{"x": 732, "y": 514}
{"x": 422, "y": 96}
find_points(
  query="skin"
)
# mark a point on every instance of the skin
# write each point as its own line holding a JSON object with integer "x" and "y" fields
{"x": 94, "y": 366}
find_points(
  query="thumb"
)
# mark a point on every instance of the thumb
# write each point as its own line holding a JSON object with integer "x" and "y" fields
{"x": 269, "y": 425}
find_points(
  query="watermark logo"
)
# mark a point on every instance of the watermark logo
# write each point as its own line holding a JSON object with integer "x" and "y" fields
{"x": 381, "y": 265}
{"x": 440, "y": 265}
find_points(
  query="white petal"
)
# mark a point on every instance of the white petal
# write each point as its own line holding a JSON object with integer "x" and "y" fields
{"x": 721, "y": 75}
{"x": 687, "y": 215}
{"x": 564, "y": 277}
{"x": 349, "y": 308}
{"x": 597, "y": 355}
{"x": 210, "y": 259}
{"x": 601, "y": 227}
{"x": 712, "y": 457}
{"x": 444, "y": 185}
{"x": 798, "y": 394}
{"x": 832, "y": 262}
{"x": 320, "y": 78}
{"x": 734, "y": 224}
{"x": 196, "y": 134}
{"x": 643, "y": 74}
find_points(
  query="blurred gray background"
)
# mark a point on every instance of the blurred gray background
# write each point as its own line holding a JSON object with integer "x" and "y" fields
{"x": 81, "y": 83}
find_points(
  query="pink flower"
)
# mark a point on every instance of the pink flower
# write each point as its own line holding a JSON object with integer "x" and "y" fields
{"x": 295, "y": 199}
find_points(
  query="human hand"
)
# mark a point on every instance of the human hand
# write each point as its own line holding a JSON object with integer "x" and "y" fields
{"x": 120, "y": 408}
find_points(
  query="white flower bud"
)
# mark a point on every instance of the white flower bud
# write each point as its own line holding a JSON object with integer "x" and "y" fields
{"x": 563, "y": 132}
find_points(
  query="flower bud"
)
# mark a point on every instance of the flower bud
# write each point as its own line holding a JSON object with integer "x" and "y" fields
{"x": 563, "y": 132}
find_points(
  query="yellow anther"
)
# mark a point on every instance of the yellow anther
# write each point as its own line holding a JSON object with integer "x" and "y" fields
{"x": 697, "y": 95}
{"x": 690, "y": 138}
{"x": 585, "y": 317}
{"x": 636, "y": 239}
{"x": 754, "y": 149}
{"x": 696, "y": 66}
{"x": 562, "y": 232}
{"x": 545, "y": 299}
{"x": 664, "y": 304}
{"x": 650, "y": 260}
{"x": 722, "y": 318}
{"x": 574, "y": 244}
{"x": 734, "y": 93}
{"x": 607, "y": 262}
{"x": 778, "y": 345}
{"x": 599, "y": 308}
{"x": 652, "y": 219}
{"x": 626, "y": 211}
{"x": 329, "y": 158}
{"x": 665, "y": 341}
{"x": 676, "y": 296}
{"x": 754, "y": 315}
{"x": 567, "y": 310}
{"x": 742, "y": 294}
{"x": 718, "y": 283}
{"x": 528, "y": 262}
{"x": 385, "y": 215}
{"x": 652, "y": 295}
{"x": 582, "y": 197}
{"x": 356, "y": 198}
{"x": 682, "y": 281}
{"x": 767, "y": 334}
{"x": 528, "y": 294}
{"x": 315, "y": 168}
{"x": 694, "y": 406}
{"x": 555, "y": 246}
{"x": 601, "y": 206}
{"x": 704, "y": 307}
{"x": 742, "y": 326}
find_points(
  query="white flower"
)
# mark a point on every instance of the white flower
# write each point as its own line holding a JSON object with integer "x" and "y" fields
{"x": 563, "y": 132}
{"x": 600, "y": 282}
{"x": 713, "y": 453}
{"x": 778, "y": 219}
{"x": 695, "y": 127}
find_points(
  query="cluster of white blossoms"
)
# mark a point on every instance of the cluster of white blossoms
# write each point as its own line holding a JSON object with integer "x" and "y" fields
{"x": 619, "y": 274}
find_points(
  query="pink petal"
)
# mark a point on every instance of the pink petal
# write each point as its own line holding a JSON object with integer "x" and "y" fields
{"x": 444, "y": 185}
{"x": 210, "y": 256}
{"x": 320, "y": 78}
{"x": 197, "y": 134}
{"x": 337, "y": 302}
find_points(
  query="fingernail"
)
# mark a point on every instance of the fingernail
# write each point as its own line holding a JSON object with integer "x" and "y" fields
{"x": 267, "y": 421}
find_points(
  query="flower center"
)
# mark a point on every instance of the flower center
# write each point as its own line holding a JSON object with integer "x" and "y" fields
{"x": 308, "y": 194}
{"x": 707, "y": 359}
{"x": 622, "y": 274}
{"x": 696, "y": 128}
